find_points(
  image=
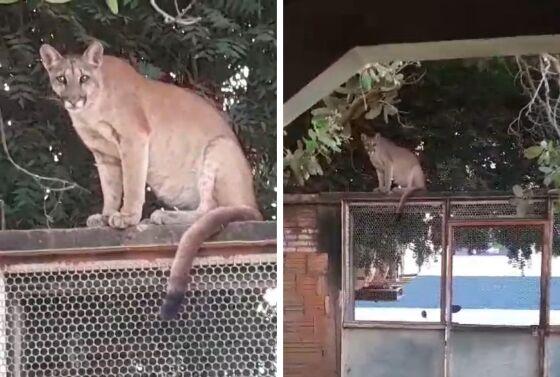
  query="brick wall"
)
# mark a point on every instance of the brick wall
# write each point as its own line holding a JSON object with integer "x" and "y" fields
{"x": 309, "y": 326}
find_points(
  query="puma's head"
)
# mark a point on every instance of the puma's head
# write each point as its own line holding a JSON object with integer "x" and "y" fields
{"x": 370, "y": 141}
{"x": 75, "y": 79}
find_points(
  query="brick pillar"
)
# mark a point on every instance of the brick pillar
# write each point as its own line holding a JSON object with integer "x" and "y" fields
{"x": 308, "y": 323}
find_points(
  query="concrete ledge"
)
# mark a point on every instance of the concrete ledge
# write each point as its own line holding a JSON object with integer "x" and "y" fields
{"x": 141, "y": 235}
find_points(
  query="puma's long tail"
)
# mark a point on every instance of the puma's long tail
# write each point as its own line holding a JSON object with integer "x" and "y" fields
{"x": 407, "y": 192}
{"x": 207, "y": 225}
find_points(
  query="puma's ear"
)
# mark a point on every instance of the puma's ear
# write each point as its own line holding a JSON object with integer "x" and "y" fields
{"x": 49, "y": 56}
{"x": 94, "y": 54}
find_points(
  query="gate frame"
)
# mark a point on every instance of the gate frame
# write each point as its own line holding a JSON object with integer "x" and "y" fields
{"x": 546, "y": 224}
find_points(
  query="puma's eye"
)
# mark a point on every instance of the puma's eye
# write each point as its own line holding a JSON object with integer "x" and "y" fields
{"x": 61, "y": 79}
{"x": 84, "y": 79}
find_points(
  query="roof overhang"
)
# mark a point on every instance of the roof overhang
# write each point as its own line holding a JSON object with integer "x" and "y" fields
{"x": 355, "y": 59}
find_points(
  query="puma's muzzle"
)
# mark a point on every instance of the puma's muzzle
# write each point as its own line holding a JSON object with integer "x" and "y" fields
{"x": 74, "y": 104}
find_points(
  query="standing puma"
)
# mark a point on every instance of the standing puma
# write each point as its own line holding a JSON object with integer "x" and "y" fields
{"x": 142, "y": 131}
{"x": 393, "y": 163}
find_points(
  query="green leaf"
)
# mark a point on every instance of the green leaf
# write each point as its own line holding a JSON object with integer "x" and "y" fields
{"x": 556, "y": 178}
{"x": 545, "y": 169}
{"x": 8, "y": 1}
{"x": 311, "y": 145}
{"x": 113, "y": 6}
{"x": 533, "y": 152}
{"x": 366, "y": 81}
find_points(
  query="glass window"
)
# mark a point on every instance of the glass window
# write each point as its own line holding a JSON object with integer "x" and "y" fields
{"x": 496, "y": 275}
{"x": 397, "y": 265}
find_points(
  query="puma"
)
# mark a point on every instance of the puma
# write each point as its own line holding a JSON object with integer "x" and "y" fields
{"x": 394, "y": 163}
{"x": 142, "y": 131}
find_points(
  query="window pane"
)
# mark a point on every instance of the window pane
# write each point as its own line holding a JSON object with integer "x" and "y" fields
{"x": 491, "y": 353}
{"x": 553, "y": 359}
{"x": 392, "y": 353}
{"x": 396, "y": 264}
{"x": 496, "y": 275}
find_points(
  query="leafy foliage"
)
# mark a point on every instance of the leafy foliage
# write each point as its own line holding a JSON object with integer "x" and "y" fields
{"x": 370, "y": 93}
{"x": 385, "y": 245}
{"x": 455, "y": 117}
{"x": 228, "y": 57}
{"x": 539, "y": 117}
{"x": 325, "y": 137}
{"x": 547, "y": 155}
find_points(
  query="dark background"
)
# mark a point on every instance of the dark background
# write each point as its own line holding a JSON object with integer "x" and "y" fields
{"x": 317, "y": 32}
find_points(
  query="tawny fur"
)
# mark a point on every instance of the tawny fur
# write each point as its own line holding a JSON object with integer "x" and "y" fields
{"x": 142, "y": 131}
{"x": 394, "y": 164}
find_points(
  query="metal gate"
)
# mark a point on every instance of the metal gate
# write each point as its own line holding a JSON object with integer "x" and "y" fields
{"x": 479, "y": 303}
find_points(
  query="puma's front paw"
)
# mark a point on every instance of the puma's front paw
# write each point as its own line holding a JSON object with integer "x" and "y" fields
{"x": 120, "y": 220}
{"x": 97, "y": 220}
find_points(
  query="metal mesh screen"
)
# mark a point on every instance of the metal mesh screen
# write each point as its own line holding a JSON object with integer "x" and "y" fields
{"x": 495, "y": 209}
{"x": 387, "y": 255}
{"x": 377, "y": 236}
{"x": 101, "y": 319}
{"x": 511, "y": 238}
{"x": 556, "y": 232}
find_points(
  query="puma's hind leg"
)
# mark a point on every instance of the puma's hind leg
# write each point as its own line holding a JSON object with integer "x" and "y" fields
{"x": 207, "y": 202}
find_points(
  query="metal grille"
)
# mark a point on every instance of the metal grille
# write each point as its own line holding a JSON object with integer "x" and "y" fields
{"x": 101, "y": 319}
{"x": 495, "y": 209}
{"x": 378, "y": 237}
{"x": 556, "y": 231}
{"x": 519, "y": 243}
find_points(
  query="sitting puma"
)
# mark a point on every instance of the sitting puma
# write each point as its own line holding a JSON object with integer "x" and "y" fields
{"x": 143, "y": 131}
{"x": 393, "y": 163}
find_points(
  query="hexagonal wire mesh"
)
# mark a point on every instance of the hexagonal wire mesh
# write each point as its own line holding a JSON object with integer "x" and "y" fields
{"x": 101, "y": 319}
{"x": 496, "y": 209}
{"x": 377, "y": 236}
{"x": 383, "y": 249}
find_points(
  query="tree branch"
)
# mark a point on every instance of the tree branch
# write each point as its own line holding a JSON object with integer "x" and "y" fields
{"x": 62, "y": 185}
{"x": 540, "y": 81}
{"x": 180, "y": 18}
